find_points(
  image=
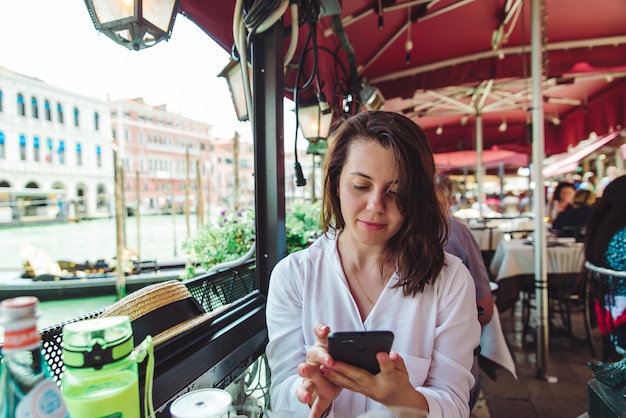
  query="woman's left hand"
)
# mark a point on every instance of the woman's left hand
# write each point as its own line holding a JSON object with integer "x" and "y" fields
{"x": 391, "y": 386}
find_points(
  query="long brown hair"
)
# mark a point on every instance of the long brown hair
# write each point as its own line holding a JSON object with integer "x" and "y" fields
{"x": 607, "y": 217}
{"x": 417, "y": 249}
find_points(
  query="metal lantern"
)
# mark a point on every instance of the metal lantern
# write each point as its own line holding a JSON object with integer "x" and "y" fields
{"x": 234, "y": 77}
{"x": 135, "y": 24}
{"x": 314, "y": 122}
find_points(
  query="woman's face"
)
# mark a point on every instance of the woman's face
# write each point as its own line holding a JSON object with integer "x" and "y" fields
{"x": 367, "y": 194}
{"x": 567, "y": 195}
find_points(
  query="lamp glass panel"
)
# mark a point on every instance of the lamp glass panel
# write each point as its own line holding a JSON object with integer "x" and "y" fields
{"x": 313, "y": 124}
{"x": 112, "y": 10}
{"x": 308, "y": 119}
{"x": 159, "y": 13}
{"x": 325, "y": 122}
{"x": 235, "y": 84}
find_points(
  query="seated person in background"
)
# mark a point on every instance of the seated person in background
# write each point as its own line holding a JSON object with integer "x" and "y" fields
{"x": 575, "y": 216}
{"x": 562, "y": 197}
{"x": 461, "y": 243}
{"x": 380, "y": 265}
{"x": 605, "y": 246}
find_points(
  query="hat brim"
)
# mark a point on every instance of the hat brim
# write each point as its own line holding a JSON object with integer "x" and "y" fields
{"x": 162, "y": 310}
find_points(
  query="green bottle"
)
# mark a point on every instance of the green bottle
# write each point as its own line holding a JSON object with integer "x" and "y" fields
{"x": 101, "y": 376}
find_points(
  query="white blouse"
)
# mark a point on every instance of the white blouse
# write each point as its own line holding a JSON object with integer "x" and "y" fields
{"x": 436, "y": 331}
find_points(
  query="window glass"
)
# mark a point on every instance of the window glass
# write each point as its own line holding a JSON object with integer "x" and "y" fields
{"x": 61, "y": 152}
{"x": 49, "y": 152}
{"x": 36, "y": 154}
{"x": 34, "y": 107}
{"x": 60, "y": 113}
{"x": 21, "y": 108}
{"x": 22, "y": 147}
{"x": 47, "y": 110}
{"x": 1, "y": 145}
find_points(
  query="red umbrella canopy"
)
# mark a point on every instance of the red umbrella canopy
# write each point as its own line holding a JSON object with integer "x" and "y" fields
{"x": 444, "y": 62}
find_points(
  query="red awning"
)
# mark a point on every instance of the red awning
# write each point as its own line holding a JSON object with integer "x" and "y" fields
{"x": 568, "y": 162}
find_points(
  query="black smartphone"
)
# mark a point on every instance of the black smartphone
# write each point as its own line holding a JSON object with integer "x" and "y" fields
{"x": 359, "y": 348}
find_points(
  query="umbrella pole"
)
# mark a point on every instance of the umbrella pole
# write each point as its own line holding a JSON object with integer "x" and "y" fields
{"x": 541, "y": 278}
{"x": 479, "y": 165}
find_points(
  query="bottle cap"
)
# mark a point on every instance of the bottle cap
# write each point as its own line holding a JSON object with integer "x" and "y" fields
{"x": 21, "y": 307}
{"x": 93, "y": 343}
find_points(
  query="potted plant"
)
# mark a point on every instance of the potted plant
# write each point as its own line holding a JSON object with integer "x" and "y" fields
{"x": 232, "y": 235}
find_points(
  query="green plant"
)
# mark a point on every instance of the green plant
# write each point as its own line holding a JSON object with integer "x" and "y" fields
{"x": 233, "y": 234}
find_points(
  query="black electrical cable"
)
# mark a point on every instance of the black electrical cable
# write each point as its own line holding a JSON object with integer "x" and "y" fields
{"x": 300, "y": 180}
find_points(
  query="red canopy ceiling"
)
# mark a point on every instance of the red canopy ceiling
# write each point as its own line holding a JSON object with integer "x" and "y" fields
{"x": 467, "y": 57}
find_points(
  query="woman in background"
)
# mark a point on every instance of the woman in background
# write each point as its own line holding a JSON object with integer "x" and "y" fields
{"x": 562, "y": 197}
{"x": 574, "y": 218}
{"x": 605, "y": 246}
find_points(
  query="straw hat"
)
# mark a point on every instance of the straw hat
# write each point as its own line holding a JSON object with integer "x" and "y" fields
{"x": 162, "y": 310}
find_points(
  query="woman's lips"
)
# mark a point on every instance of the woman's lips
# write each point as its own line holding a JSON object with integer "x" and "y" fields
{"x": 373, "y": 226}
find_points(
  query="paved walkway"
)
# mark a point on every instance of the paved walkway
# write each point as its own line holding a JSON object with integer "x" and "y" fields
{"x": 529, "y": 397}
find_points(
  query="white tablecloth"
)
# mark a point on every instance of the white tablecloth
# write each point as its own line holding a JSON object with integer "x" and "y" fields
{"x": 487, "y": 238}
{"x": 515, "y": 257}
{"x": 493, "y": 345}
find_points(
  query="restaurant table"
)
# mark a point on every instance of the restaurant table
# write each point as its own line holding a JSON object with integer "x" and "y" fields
{"x": 515, "y": 259}
{"x": 487, "y": 238}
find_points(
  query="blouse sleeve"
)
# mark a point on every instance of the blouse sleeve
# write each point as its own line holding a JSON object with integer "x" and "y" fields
{"x": 286, "y": 348}
{"x": 458, "y": 334}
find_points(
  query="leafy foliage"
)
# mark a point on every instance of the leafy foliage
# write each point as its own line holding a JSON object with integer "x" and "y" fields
{"x": 233, "y": 234}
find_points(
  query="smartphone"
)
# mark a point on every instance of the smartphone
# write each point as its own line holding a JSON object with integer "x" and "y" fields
{"x": 359, "y": 348}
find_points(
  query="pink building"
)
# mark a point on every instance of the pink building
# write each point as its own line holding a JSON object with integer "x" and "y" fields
{"x": 169, "y": 158}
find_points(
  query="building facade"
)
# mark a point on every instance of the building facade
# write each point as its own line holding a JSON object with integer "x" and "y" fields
{"x": 168, "y": 159}
{"x": 55, "y": 152}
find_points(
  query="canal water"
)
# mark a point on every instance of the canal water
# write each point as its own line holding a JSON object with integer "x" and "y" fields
{"x": 158, "y": 237}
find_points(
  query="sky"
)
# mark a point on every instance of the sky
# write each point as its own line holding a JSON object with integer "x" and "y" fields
{"x": 55, "y": 41}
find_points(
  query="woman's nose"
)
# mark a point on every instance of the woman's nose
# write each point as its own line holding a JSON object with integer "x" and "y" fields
{"x": 376, "y": 202}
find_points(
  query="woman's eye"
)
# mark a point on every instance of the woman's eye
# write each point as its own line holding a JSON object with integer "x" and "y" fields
{"x": 392, "y": 192}
{"x": 359, "y": 187}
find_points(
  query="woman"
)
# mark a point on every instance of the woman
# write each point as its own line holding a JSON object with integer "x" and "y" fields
{"x": 562, "y": 198}
{"x": 605, "y": 246}
{"x": 380, "y": 265}
{"x": 573, "y": 219}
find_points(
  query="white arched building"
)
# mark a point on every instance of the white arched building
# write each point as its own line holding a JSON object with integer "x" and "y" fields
{"x": 55, "y": 152}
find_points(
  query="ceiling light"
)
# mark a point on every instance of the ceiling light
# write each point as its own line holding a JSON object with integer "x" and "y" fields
{"x": 503, "y": 126}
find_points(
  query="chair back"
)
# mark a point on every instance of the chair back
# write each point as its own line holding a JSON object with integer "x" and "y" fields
{"x": 603, "y": 285}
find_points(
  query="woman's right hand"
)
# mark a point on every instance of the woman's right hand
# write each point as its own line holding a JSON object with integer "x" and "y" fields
{"x": 315, "y": 390}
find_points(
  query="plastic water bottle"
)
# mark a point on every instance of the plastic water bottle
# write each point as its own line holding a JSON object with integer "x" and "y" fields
{"x": 101, "y": 376}
{"x": 28, "y": 390}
